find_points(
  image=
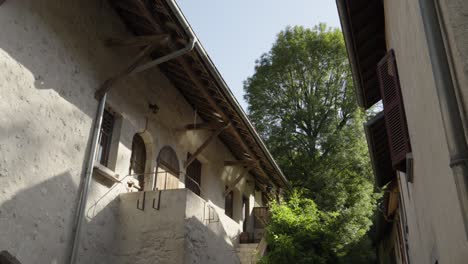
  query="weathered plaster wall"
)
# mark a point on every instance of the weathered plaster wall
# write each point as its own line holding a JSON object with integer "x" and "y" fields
{"x": 434, "y": 216}
{"x": 52, "y": 59}
{"x": 208, "y": 234}
{"x": 151, "y": 235}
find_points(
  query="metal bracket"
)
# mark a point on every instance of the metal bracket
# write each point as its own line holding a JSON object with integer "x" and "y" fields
{"x": 156, "y": 207}
{"x": 142, "y": 208}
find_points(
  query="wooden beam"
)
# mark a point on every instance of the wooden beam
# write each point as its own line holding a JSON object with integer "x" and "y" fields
{"x": 240, "y": 162}
{"x": 205, "y": 126}
{"x": 105, "y": 87}
{"x": 143, "y": 12}
{"x": 236, "y": 181}
{"x": 214, "y": 105}
{"x": 139, "y": 41}
{"x": 205, "y": 144}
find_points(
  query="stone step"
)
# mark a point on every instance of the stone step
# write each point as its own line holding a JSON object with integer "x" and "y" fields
{"x": 246, "y": 253}
{"x": 249, "y": 245}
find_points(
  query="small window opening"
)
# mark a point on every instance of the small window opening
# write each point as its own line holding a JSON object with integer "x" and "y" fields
{"x": 138, "y": 161}
{"x": 105, "y": 138}
{"x": 193, "y": 176}
{"x": 229, "y": 204}
{"x": 167, "y": 176}
{"x": 245, "y": 213}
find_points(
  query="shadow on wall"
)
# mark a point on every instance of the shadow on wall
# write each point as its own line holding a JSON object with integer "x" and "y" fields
{"x": 207, "y": 243}
{"x": 61, "y": 44}
{"x": 36, "y": 228}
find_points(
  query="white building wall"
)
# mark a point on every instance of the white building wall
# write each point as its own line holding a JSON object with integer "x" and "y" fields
{"x": 436, "y": 230}
{"x": 52, "y": 58}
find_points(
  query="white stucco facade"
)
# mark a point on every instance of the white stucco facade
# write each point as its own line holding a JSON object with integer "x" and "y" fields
{"x": 435, "y": 222}
{"x": 52, "y": 59}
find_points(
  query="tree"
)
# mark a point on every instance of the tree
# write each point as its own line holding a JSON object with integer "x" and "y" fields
{"x": 301, "y": 100}
{"x": 301, "y": 233}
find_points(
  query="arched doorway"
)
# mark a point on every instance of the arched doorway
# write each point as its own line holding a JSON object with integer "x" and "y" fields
{"x": 167, "y": 176}
{"x": 138, "y": 161}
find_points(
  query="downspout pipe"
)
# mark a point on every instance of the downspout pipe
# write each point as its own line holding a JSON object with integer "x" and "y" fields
{"x": 450, "y": 110}
{"x": 87, "y": 180}
{"x": 189, "y": 47}
{"x": 94, "y": 144}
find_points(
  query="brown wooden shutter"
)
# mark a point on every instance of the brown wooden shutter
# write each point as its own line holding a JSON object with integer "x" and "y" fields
{"x": 193, "y": 176}
{"x": 379, "y": 150}
{"x": 395, "y": 118}
{"x": 229, "y": 204}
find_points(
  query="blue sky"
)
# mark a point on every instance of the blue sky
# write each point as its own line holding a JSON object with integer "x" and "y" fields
{"x": 236, "y": 32}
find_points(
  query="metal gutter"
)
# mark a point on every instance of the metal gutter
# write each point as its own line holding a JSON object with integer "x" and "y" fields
{"x": 199, "y": 48}
{"x": 449, "y": 107}
{"x": 189, "y": 47}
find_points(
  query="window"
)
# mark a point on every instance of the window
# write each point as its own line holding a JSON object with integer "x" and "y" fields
{"x": 105, "y": 138}
{"x": 193, "y": 176}
{"x": 395, "y": 118}
{"x": 245, "y": 212}
{"x": 167, "y": 176}
{"x": 138, "y": 161}
{"x": 229, "y": 204}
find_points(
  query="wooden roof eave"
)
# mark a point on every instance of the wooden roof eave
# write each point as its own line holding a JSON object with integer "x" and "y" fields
{"x": 229, "y": 103}
{"x": 363, "y": 27}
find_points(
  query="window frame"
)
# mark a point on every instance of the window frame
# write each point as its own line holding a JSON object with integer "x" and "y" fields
{"x": 105, "y": 133}
{"x": 229, "y": 204}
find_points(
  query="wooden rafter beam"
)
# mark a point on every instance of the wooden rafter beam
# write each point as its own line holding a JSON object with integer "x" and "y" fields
{"x": 105, "y": 87}
{"x": 205, "y": 126}
{"x": 240, "y": 162}
{"x": 199, "y": 84}
{"x": 233, "y": 184}
{"x": 139, "y": 41}
{"x": 205, "y": 144}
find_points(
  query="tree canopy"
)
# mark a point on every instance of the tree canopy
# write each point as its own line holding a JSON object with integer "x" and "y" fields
{"x": 301, "y": 99}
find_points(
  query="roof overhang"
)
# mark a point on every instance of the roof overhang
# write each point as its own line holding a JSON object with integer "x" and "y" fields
{"x": 199, "y": 81}
{"x": 363, "y": 25}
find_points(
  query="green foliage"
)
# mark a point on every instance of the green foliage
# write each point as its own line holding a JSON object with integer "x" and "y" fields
{"x": 301, "y": 100}
{"x": 301, "y": 233}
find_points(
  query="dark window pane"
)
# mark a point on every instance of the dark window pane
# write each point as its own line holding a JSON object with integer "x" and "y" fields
{"x": 229, "y": 204}
{"x": 138, "y": 160}
{"x": 105, "y": 138}
{"x": 193, "y": 176}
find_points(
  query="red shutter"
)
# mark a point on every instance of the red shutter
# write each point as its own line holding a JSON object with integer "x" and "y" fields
{"x": 395, "y": 118}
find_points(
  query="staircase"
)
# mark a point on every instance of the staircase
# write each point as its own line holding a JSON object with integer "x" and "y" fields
{"x": 247, "y": 253}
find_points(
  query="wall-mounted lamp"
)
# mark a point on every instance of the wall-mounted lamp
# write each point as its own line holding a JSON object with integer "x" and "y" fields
{"x": 154, "y": 108}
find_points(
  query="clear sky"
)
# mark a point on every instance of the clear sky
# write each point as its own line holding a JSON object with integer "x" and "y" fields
{"x": 236, "y": 32}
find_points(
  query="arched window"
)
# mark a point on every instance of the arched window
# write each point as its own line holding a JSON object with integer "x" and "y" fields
{"x": 138, "y": 160}
{"x": 167, "y": 176}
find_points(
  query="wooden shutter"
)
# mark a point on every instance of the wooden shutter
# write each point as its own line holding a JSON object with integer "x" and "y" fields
{"x": 379, "y": 150}
{"x": 105, "y": 138}
{"x": 395, "y": 118}
{"x": 138, "y": 160}
{"x": 193, "y": 176}
{"x": 229, "y": 204}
